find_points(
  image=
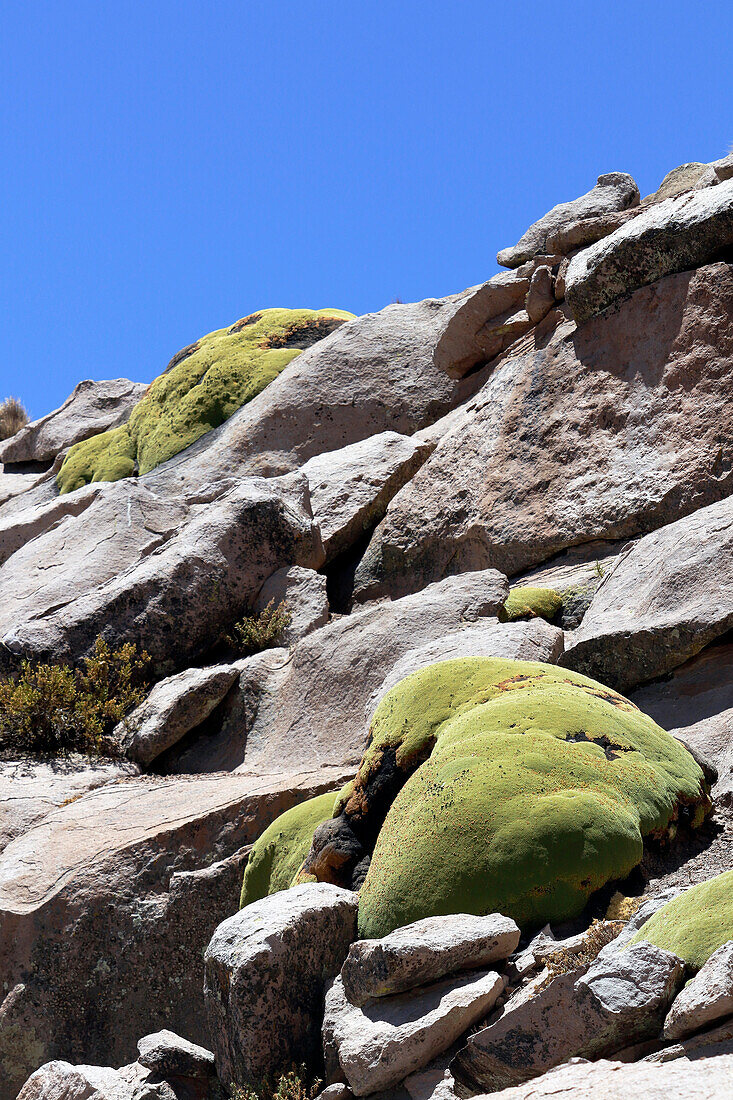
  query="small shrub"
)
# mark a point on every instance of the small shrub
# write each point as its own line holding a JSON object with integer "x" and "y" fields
{"x": 600, "y": 571}
{"x": 599, "y": 933}
{"x": 13, "y": 417}
{"x": 294, "y": 1085}
{"x": 258, "y": 632}
{"x": 54, "y": 708}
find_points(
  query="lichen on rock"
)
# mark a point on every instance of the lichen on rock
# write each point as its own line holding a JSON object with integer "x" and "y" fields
{"x": 203, "y": 385}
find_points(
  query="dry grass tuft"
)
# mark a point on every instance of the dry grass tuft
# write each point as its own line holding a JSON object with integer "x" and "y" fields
{"x": 13, "y": 417}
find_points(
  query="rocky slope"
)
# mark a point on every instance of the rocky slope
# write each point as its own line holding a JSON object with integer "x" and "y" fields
{"x": 487, "y": 516}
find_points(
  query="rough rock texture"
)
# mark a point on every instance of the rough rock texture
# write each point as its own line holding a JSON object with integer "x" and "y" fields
{"x": 166, "y": 575}
{"x": 696, "y": 704}
{"x": 351, "y": 488}
{"x": 31, "y": 788}
{"x": 599, "y": 433}
{"x": 577, "y": 1015}
{"x": 575, "y": 235}
{"x": 655, "y": 610}
{"x": 92, "y": 407}
{"x": 170, "y": 1055}
{"x": 379, "y": 1044}
{"x": 707, "y": 1079}
{"x": 304, "y": 592}
{"x": 338, "y": 669}
{"x": 674, "y": 235}
{"x": 541, "y": 295}
{"x": 706, "y": 999}
{"x": 613, "y": 191}
{"x": 676, "y": 183}
{"x": 32, "y": 514}
{"x": 266, "y": 968}
{"x": 424, "y": 952}
{"x": 59, "y": 1080}
{"x": 173, "y": 707}
{"x": 107, "y": 904}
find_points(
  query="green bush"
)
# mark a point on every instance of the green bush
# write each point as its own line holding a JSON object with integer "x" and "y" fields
{"x": 294, "y": 1085}
{"x": 13, "y": 417}
{"x": 54, "y": 708}
{"x": 257, "y": 632}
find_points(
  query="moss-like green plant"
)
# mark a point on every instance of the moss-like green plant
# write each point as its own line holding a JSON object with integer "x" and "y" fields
{"x": 201, "y": 388}
{"x": 540, "y": 788}
{"x": 525, "y": 602}
{"x": 279, "y": 852}
{"x": 54, "y": 708}
{"x": 694, "y": 924}
{"x": 257, "y": 632}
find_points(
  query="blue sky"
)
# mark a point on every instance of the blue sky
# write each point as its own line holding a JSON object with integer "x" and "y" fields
{"x": 172, "y": 166}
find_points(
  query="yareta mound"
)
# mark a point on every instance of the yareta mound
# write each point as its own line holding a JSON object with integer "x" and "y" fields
{"x": 277, "y": 855}
{"x": 526, "y": 602}
{"x": 511, "y": 786}
{"x": 696, "y": 923}
{"x": 201, "y": 387}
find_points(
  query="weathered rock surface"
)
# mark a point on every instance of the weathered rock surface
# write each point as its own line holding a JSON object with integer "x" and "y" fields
{"x": 379, "y": 1044}
{"x": 59, "y": 1080}
{"x": 173, "y": 707}
{"x": 166, "y": 575}
{"x": 107, "y": 904}
{"x": 707, "y": 1079}
{"x": 599, "y": 433}
{"x": 696, "y": 705}
{"x": 613, "y": 191}
{"x": 674, "y": 235}
{"x": 266, "y": 969}
{"x": 31, "y": 788}
{"x": 575, "y": 235}
{"x": 313, "y": 704}
{"x": 706, "y": 999}
{"x": 351, "y": 488}
{"x": 13, "y": 482}
{"x": 655, "y": 610}
{"x": 618, "y": 1001}
{"x": 41, "y": 513}
{"x": 92, "y": 407}
{"x": 171, "y": 1056}
{"x": 541, "y": 295}
{"x": 424, "y": 952}
{"x": 676, "y": 182}
{"x": 304, "y": 593}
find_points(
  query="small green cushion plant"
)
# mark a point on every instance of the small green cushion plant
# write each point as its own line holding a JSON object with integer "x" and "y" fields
{"x": 525, "y": 602}
{"x": 694, "y": 924}
{"x": 279, "y": 852}
{"x": 201, "y": 388}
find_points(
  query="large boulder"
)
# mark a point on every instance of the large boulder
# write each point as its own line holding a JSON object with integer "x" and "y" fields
{"x": 424, "y": 952}
{"x": 706, "y": 999}
{"x": 675, "y": 235}
{"x": 603, "y": 432}
{"x": 486, "y": 762}
{"x": 377, "y": 1045}
{"x": 92, "y": 407}
{"x": 613, "y": 192}
{"x": 578, "y": 1015}
{"x": 313, "y": 704}
{"x": 266, "y": 971}
{"x": 304, "y": 597}
{"x": 668, "y": 596}
{"x": 106, "y": 907}
{"x": 58, "y": 1080}
{"x": 143, "y": 579}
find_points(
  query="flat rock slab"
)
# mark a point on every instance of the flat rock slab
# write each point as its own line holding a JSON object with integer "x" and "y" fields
{"x": 266, "y": 968}
{"x": 382, "y": 1042}
{"x": 93, "y": 407}
{"x": 130, "y": 879}
{"x": 578, "y": 1015}
{"x": 603, "y": 432}
{"x": 675, "y": 235}
{"x": 657, "y": 608}
{"x": 313, "y": 703}
{"x": 425, "y": 951}
{"x": 30, "y": 789}
{"x": 706, "y": 999}
{"x": 706, "y": 1079}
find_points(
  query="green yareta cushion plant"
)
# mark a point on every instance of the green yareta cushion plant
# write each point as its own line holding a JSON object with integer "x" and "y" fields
{"x": 279, "y": 852}
{"x": 200, "y": 389}
{"x": 525, "y": 602}
{"x": 694, "y": 924}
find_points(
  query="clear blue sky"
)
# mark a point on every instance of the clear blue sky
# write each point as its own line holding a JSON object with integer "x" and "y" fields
{"x": 171, "y": 165}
